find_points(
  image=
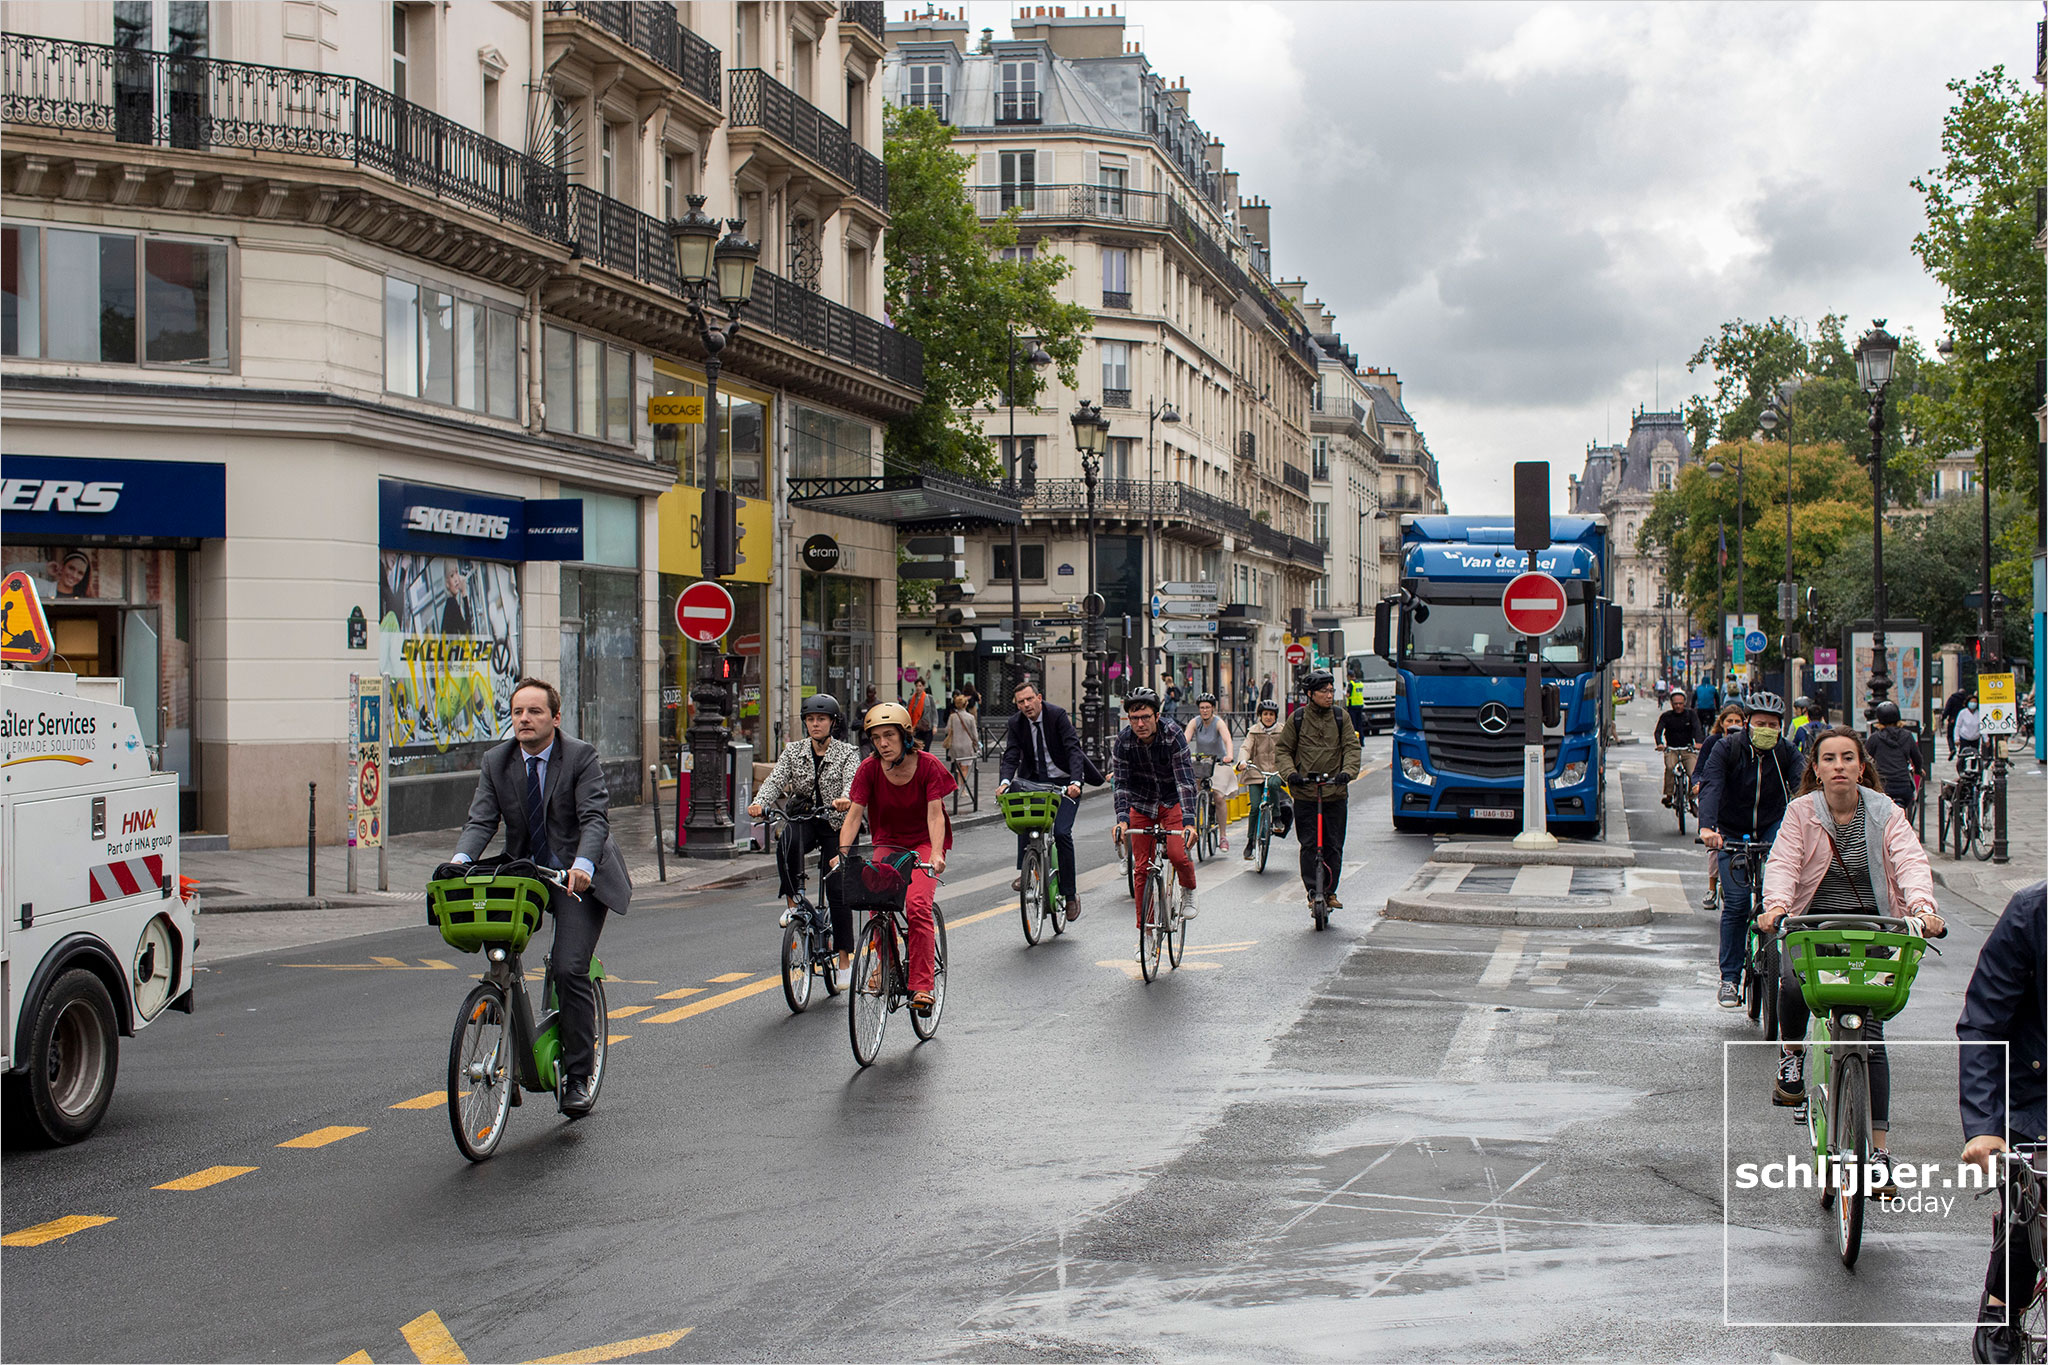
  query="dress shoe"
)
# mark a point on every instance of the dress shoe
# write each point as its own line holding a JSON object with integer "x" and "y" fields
{"x": 578, "y": 1095}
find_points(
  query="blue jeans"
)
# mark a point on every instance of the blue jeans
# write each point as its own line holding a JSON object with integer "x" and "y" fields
{"x": 1062, "y": 835}
{"x": 1735, "y": 905}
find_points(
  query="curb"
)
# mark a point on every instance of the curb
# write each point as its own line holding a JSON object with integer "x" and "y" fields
{"x": 239, "y": 905}
{"x": 1595, "y": 912}
{"x": 1503, "y": 853}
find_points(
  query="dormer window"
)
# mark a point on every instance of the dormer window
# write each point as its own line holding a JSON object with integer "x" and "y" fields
{"x": 926, "y": 89}
{"x": 1017, "y": 93}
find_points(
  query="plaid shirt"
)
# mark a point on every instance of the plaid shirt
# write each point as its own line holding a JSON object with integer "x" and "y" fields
{"x": 1150, "y": 776}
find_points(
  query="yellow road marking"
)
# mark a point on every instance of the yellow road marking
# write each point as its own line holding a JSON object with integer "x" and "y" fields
{"x": 359, "y": 1358}
{"x": 729, "y": 976}
{"x": 383, "y": 964}
{"x": 611, "y": 1038}
{"x": 199, "y": 1180}
{"x": 678, "y": 995}
{"x": 1222, "y": 948}
{"x": 54, "y": 1230}
{"x": 1134, "y": 972}
{"x": 1240, "y": 943}
{"x": 320, "y": 1137}
{"x": 618, "y": 1350}
{"x": 431, "y": 1342}
{"x": 985, "y": 914}
{"x": 430, "y": 1100}
{"x": 712, "y": 1002}
{"x": 626, "y": 1011}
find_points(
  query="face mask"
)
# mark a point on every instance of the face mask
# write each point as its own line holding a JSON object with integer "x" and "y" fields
{"x": 1763, "y": 738}
{"x": 1973, "y": 706}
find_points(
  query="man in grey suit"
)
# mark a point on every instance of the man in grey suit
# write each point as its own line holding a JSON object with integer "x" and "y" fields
{"x": 549, "y": 790}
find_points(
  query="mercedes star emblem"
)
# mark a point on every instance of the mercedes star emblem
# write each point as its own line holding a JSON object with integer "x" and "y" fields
{"x": 1494, "y": 718}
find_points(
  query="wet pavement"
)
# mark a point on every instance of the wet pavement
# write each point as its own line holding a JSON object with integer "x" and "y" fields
{"x": 1391, "y": 1140}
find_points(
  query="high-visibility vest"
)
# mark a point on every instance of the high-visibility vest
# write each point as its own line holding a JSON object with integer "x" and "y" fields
{"x": 1358, "y": 692}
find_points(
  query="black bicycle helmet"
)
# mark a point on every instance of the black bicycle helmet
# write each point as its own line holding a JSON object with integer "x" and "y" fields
{"x": 1317, "y": 680}
{"x": 822, "y": 704}
{"x": 1887, "y": 713}
{"x": 1209, "y": 697}
{"x": 1269, "y": 705}
{"x": 1141, "y": 696}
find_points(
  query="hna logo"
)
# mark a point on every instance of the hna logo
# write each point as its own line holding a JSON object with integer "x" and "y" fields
{"x": 136, "y": 821}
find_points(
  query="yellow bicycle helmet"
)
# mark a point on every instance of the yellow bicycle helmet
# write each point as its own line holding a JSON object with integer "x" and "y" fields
{"x": 887, "y": 713}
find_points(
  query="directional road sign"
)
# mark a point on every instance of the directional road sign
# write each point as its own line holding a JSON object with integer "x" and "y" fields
{"x": 1180, "y": 644}
{"x": 704, "y": 612}
{"x": 1534, "y": 604}
{"x": 1188, "y": 609}
{"x": 1696, "y": 642}
{"x": 1189, "y": 627}
{"x": 1212, "y": 591}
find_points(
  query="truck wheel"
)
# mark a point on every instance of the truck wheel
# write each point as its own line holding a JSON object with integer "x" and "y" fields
{"x": 73, "y": 1053}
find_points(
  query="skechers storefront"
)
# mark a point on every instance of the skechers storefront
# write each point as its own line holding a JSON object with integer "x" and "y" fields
{"x": 110, "y": 545}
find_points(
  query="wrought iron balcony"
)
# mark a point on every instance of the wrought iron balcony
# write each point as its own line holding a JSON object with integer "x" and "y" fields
{"x": 200, "y": 104}
{"x": 1294, "y": 477}
{"x": 1019, "y": 107}
{"x": 1116, "y": 398}
{"x": 620, "y": 237}
{"x": 869, "y": 14}
{"x": 1116, "y": 298}
{"x": 940, "y": 103}
{"x": 653, "y": 31}
{"x": 761, "y": 101}
{"x": 1086, "y": 203}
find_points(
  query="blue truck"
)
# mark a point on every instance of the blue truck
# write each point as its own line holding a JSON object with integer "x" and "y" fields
{"x": 1458, "y": 712}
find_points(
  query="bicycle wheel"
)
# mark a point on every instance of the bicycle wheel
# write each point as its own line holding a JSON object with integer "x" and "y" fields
{"x": 1265, "y": 835}
{"x": 601, "y": 1045}
{"x": 1130, "y": 869}
{"x": 1819, "y": 1091}
{"x": 1940, "y": 820}
{"x": 925, "y": 1025}
{"x": 1177, "y": 936}
{"x": 1201, "y": 825}
{"x": 1768, "y": 988}
{"x": 868, "y": 1015}
{"x": 1681, "y": 780}
{"x": 1150, "y": 892}
{"x": 824, "y": 950}
{"x": 1959, "y": 813}
{"x": 1987, "y": 822}
{"x": 796, "y": 966}
{"x": 480, "y": 1074}
{"x": 1752, "y": 974}
{"x": 1052, "y": 875}
{"x": 1031, "y": 895}
{"x": 1850, "y": 1141}
{"x": 1319, "y": 910}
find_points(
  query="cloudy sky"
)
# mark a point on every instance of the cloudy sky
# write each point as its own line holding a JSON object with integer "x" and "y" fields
{"x": 1535, "y": 212}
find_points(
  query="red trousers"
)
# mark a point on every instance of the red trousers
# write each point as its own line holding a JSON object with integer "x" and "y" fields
{"x": 918, "y": 898}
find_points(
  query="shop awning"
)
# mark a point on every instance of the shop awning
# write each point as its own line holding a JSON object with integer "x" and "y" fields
{"x": 907, "y": 499}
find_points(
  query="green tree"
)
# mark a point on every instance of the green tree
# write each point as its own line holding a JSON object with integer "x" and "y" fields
{"x": 1930, "y": 562}
{"x": 947, "y": 286}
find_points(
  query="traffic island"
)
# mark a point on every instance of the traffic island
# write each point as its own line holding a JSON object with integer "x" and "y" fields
{"x": 1547, "y": 895}
{"x": 1503, "y": 852}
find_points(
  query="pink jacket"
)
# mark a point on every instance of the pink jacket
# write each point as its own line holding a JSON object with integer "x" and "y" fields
{"x": 1802, "y": 855}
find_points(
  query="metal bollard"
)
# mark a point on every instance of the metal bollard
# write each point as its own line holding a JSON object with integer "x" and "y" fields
{"x": 312, "y": 842}
{"x": 660, "y": 853}
{"x": 1999, "y": 851}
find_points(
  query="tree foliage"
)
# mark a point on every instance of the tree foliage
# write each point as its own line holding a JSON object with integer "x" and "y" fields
{"x": 1930, "y": 562}
{"x": 946, "y": 285}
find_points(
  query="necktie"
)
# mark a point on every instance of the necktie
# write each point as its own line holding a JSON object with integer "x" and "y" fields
{"x": 1044, "y": 758}
{"x": 536, "y": 817}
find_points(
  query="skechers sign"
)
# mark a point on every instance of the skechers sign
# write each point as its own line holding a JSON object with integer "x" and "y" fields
{"x": 422, "y": 519}
{"x": 75, "y": 498}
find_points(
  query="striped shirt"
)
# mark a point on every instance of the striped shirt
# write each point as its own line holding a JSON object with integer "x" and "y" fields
{"x": 1837, "y": 894}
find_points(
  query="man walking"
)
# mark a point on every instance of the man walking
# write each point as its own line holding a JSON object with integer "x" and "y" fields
{"x": 1319, "y": 739}
{"x": 549, "y": 790}
{"x": 1045, "y": 750}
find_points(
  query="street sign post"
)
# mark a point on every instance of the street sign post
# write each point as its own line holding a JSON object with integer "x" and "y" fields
{"x": 1998, "y": 700}
{"x": 1756, "y": 640}
{"x": 1181, "y": 644}
{"x": 1825, "y": 668}
{"x": 1178, "y": 627}
{"x": 1534, "y": 606}
{"x": 704, "y": 612}
{"x": 1188, "y": 609}
{"x": 364, "y": 798}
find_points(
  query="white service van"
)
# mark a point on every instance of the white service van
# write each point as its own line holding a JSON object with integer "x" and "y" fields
{"x": 96, "y": 932}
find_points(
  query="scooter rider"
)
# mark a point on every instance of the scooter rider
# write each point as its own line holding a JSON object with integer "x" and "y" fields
{"x": 1319, "y": 738}
{"x": 1743, "y": 795}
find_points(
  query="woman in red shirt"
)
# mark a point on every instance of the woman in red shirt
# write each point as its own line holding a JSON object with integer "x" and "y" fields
{"x": 905, "y": 792}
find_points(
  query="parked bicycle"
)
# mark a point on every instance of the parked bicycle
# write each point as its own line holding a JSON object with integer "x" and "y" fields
{"x": 806, "y": 926}
{"x": 1039, "y": 902}
{"x": 501, "y": 1047}
{"x": 1160, "y": 922}
{"x": 880, "y": 982}
{"x": 1966, "y": 816}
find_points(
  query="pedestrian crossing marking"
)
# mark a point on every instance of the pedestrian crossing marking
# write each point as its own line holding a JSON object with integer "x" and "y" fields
{"x": 431, "y": 1341}
{"x": 431, "y": 1100}
{"x": 199, "y": 1180}
{"x": 433, "y": 1344}
{"x": 678, "y": 995}
{"x": 55, "y": 1230}
{"x": 618, "y": 1350}
{"x": 320, "y": 1137}
{"x": 728, "y": 977}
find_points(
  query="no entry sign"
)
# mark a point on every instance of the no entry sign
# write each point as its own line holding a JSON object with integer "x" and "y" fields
{"x": 1534, "y": 604}
{"x": 1297, "y": 654}
{"x": 704, "y": 612}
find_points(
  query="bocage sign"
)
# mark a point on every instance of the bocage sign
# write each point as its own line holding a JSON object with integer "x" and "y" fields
{"x": 421, "y": 519}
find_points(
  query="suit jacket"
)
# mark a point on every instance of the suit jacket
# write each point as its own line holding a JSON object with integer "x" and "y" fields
{"x": 1020, "y": 754}
{"x": 575, "y": 800}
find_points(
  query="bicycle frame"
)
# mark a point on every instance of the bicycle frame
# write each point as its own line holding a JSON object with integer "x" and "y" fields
{"x": 536, "y": 1039}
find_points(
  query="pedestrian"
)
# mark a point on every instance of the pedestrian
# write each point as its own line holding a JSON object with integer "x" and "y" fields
{"x": 922, "y": 721}
{"x": 1169, "y": 710}
{"x": 1895, "y": 751}
{"x": 1043, "y": 753}
{"x": 561, "y": 799}
{"x": 963, "y": 745}
{"x": 1968, "y": 730}
{"x": 1319, "y": 739}
{"x": 1950, "y": 709}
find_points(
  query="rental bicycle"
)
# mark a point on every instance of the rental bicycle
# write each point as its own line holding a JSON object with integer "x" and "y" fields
{"x": 1205, "y": 807}
{"x": 2022, "y": 1188}
{"x": 1319, "y": 898}
{"x": 1853, "y": 970}
{"x": 1760, "y": 950}
{"x": 1032, "y": 813}
{"x": 501, "y": 1047}
{"x": 1267, "y": 792}
{"x": 1160, "y": 922}
{"x": 807, "y": 948}
{"x": 880, "y": 983}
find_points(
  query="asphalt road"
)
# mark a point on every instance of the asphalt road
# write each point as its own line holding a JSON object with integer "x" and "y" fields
{"x": 1387, "y": 1140}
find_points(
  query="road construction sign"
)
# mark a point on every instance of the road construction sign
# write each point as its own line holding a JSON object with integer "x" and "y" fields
{"x": 24, "y": 630}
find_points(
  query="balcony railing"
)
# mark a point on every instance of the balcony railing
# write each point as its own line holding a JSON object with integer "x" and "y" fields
{"x": 761, "y": 101}
{"x": 1089, "y": 203}
{"x": 940, "y": 103}
{"x": 1019, "y": 107}
{"x": 1217, "y": 257}
{"x": 197, "y": 103}
{"x": 1116, "y": 298}
{"x": 620, "y": 237}
{"x": 870, "y": 15}
{"x": 1116, "y": 398}
{"x": 815, "y": 321}
{"x": 652, "y": 30}
{"x": 1294, "y": 477}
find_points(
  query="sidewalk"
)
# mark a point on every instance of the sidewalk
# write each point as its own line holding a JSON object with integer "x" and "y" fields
{"x": 1990, "y": 885}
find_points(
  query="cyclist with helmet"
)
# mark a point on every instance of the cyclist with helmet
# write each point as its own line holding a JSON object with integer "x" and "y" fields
{"x": 1261, "y": 756}
{"x": 1153, "y": 773}
{"x": 818, "y": 771}
{"x": 1207, "y": 734}
{"x": 1743, "y": 795}
{"x": 900, "y": 792}
{"x": 1802, "y": 708}
{"x": 1896, "y": 752}
{"x": 1319, "y": 738}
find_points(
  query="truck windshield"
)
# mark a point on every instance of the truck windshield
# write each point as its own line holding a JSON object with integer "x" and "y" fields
{"x": 1477, "y": 631}
{"x": 1370, "y": 668}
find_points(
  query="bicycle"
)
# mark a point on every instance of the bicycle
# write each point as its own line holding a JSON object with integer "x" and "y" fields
{"x": 1032, "y": 813}
{"x": 500, "y": 1047}
{"x": 1760, "y": 950}
{"x": 1205, "y": 807}
{"x": 1852, "y": 969}
{"x": 881, "y": 981}
{"x": 1319, "y": 899}
{"x": 1683, "y": 802}
{"x": 1965, "y": 806}
{"x": 806, "y": 928}
{"x": 1258, "y": 832}
{"x": 1159, "y": 917}
{"x": 2022, "y": 1187}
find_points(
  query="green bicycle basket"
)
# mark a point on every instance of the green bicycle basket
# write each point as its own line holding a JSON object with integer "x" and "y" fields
{"x": 473, "y": 912}
{"x": 1029, "y": 812}
{"x": 1837, "y": 968}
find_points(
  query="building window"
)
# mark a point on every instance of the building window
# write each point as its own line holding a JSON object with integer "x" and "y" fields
{"x": 1017, "y": 97}
{"x": 1016, "y": 253}
{"x": 1116, "y": 277}
{"x": 1109, "y": 200}
{"x": 1032, "y": 556}
{"x": 1631, "y": 589}
{"x": 1019, "y": 180}
{"x": 115, "y": 298}
{"x": 1117, "y": 460}
{"x": 399, "y": 54}
{"x": 607, "y": 159}
{"x": 1319, "y": 456}
{"x": 1664, "y": 474}
{"x": 587, "y": 386}
{"x": 448, "y": 349}
{"x": 177, "y": 27}
{"x": 1116, "y": 374}
{"x": 668, "y": 186}
{"x": 927, "y": 89}
{"x": 1021, "y": 464}
{"x": 1322, "y": 596}
{"x": 1319, "y": 523}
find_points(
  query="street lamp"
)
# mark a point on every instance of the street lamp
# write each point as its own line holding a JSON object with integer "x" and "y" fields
{"x": 708, "y": 265}
{"x": 1715, "y": 470}
{"x": 1164, "y": 412}
{"x": 1768, "y": 419}
{"x": 1037, "y": 359}
{"x": 1091, "y": 438}
{"x": 1988, "y": 660}
{"x": 1874, "y": 354}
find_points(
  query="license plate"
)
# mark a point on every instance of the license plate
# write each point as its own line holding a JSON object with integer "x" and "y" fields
{"x": 1492, "y": 813}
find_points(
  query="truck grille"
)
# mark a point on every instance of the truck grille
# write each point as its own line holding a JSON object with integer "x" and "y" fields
{"x": 1457, "y": 744}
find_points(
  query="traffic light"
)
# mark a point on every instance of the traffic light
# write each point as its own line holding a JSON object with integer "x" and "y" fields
{"x": 718, "y": 533}
{"x": 728, "y": 668}
{"x": 955, "y": 633}
{"x": 1297, "y": 621}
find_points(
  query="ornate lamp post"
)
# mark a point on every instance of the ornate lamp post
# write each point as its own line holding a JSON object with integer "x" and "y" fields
{"x": 704, "y": 263}
{"x": 1091, "y": 438}
{"x": 1874, "y": 355}
{"x": 1037, "y": 359}
{"x": 1153, "y": 416}
{"x": 1788, "y": 604}
{"x": 1992, "y": 648}
{"x": 1715, "y": 470}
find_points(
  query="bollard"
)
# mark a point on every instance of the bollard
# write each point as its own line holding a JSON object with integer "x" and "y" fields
{"x": 660, "y": 853}
{"x": 1999, "y": 851}
{"x": 312, "y": 844}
